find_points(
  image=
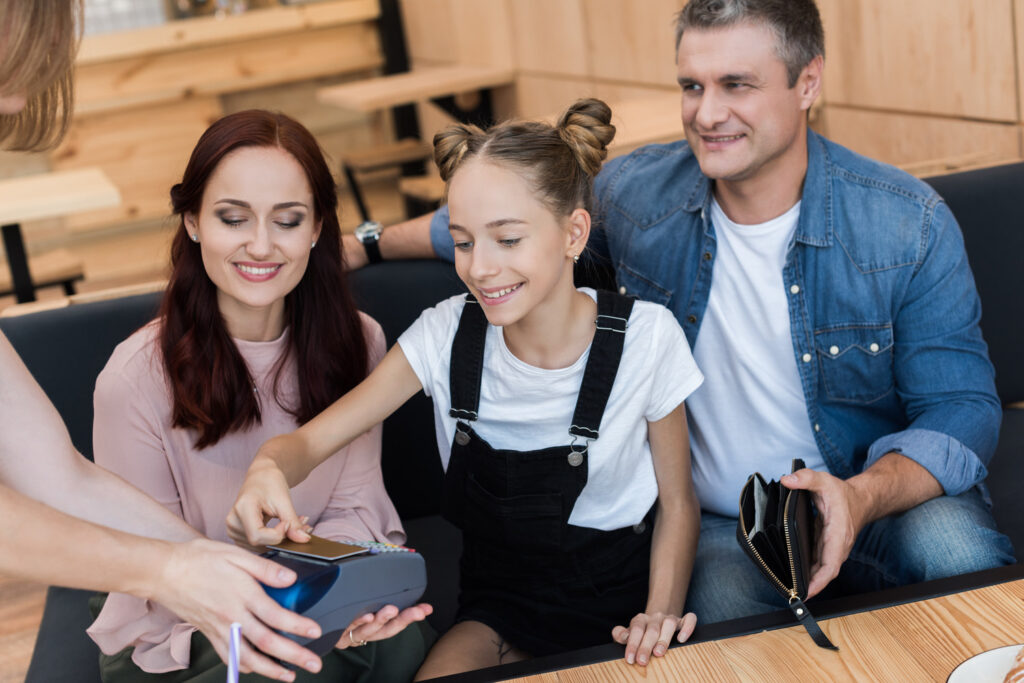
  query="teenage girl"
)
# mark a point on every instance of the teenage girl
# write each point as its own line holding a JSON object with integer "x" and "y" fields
{"x": 559, "y": 416}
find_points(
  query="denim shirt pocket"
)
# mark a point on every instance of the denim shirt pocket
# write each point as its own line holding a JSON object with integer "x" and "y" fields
{"x": 637, "y": 286}
{"x": 856, "y": 361}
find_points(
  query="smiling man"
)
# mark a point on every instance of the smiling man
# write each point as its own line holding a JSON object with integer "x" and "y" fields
{"x": 828, "y": 300}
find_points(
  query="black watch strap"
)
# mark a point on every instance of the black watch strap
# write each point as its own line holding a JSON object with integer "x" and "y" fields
{"x": 372, "y": 247}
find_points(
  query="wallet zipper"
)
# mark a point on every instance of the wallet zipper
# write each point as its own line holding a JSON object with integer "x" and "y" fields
{"x": 789, "y": 547}
{"x": 791, "y": 592}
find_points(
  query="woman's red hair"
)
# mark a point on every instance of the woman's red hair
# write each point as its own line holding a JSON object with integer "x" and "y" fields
{"x": 211, "y": 385}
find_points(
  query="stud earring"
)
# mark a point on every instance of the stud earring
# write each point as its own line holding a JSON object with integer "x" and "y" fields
{"x": 576, "y": 258}
{"x": 195, "y": 237}
{"x": 312, "y": 245}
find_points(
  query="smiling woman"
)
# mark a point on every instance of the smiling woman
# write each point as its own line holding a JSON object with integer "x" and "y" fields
{"x": 257, "y": 333}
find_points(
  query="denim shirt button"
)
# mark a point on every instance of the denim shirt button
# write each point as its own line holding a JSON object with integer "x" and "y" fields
{"x": 622, "y": 291}
{"x": 873, "y": 347}
{"x": 795, "y": 289}
{"x": 817, "y": 427}
{"x": 691, "y": 319}
{"x": 806, "y": 358}
{"x": 834, "y": 350}
{"x": 707, "y": 255}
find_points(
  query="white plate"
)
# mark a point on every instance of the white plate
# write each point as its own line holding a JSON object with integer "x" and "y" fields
{"x": 988, "y": 666}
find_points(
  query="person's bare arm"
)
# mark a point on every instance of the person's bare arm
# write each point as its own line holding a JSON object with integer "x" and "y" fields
{"x": 673, "y": 547}
{"x": 286, "y": 460}
{"x": 45, "y": 486}
{"x": 407, "y": 240}
{"x": 38, "y": 459}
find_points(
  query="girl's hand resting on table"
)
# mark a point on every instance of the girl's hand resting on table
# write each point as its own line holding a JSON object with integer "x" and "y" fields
{"x": 649, "y": 634}
{"x": 264, "y": 496}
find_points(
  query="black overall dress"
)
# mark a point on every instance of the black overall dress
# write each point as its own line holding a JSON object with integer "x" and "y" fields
{"x": 544, "y": 585}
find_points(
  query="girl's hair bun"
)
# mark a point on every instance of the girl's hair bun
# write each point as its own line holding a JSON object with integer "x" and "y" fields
{"x": 451, "y": 145}
{"x": 586, "y": 128}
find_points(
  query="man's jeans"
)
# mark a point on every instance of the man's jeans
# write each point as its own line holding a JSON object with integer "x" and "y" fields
{"x": 945, "y": 536}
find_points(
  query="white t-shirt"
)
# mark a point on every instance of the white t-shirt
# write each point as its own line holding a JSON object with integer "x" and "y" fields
{"x": 526, "y": 408}
{"x": 751, "y": 415}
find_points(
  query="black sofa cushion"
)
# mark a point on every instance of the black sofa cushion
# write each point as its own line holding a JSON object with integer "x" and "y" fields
{"x": 987, "y": 204}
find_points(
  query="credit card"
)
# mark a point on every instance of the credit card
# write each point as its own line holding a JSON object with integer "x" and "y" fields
{"x": 320, "y": 548}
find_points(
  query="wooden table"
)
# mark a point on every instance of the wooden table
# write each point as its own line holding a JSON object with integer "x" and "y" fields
{"x": 919, "y": 632}
{"x": 916, "y": 641}
{"x": 46, "y": 195}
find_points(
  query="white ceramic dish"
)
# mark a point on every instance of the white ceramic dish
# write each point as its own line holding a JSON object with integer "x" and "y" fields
{"x": 987, "y": 667}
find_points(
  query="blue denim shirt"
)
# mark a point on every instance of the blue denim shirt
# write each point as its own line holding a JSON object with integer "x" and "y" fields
{"x": 883, "y": 308}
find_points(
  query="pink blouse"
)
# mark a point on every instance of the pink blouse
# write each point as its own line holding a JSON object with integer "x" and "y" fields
{"x": 344, "y": 497}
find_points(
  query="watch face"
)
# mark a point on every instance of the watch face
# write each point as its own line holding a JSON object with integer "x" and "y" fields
{"x": 370, "y": 230}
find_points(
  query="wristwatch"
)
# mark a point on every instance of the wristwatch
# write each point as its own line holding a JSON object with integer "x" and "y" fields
{"x": 368, "y": 234}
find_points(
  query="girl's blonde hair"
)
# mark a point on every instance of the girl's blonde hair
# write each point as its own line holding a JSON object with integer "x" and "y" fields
{"x": 38, "y": 43}
{"x": 559, "y": 161}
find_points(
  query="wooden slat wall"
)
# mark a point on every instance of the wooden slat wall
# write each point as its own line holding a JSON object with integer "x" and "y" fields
{"x": 916, "y": 81}
{"x": 909, "y": 82}
{"x": 143, "y": 98}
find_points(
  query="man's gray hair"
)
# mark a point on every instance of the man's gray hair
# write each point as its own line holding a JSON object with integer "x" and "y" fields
{"x": 796, "y": 24}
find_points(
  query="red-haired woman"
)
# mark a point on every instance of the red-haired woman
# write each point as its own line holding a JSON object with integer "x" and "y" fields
{"x": 257, "y": 334}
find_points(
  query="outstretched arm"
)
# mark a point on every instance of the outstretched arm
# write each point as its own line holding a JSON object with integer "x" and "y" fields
{"x": 45, "y": 486}
{"x": 407, "y": 240}
{"x": 673, "y": 548}
{"x": 286, "y": 460}
{"x": 38, "y": 459}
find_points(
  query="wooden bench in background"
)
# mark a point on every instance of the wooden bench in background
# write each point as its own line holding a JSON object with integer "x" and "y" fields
{"x": 47, "y": 195}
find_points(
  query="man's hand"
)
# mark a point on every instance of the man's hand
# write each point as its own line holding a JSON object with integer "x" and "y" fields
{"x": 894, "y": 483}
{"x": 211, "y": 585}
{"x": 841, "y": 516}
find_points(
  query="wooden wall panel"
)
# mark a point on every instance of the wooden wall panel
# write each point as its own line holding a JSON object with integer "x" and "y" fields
{"x": 482, "y": 32}
{"x": 905, "y": 139}
{"x": 142, "y": 150}
{"x": 549, "y": 37}
{"x": 428, "y": 26}
{"x": 223, "y": 68}
{"x": 543, "y": 96}
{"x": 949, "y": 57}
{"x": 337, "y": 130}
{"x": 632, "y": 41}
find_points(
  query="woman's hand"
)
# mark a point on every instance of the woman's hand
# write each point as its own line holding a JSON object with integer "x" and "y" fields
{"x": 651, "y": 634}
{"x": 264, "y": 496}
{"x": 380, "y": 626}
{"x": 211, "y": 585}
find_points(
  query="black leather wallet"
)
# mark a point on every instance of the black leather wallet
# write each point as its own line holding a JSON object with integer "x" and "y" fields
{"x": 776, "y": 529}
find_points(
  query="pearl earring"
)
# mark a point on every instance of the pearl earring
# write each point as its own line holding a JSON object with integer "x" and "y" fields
{"x": 195, "y": 237}
{"x": 312, "y": 245}
{"x": 576, "y": 258}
